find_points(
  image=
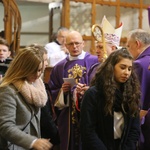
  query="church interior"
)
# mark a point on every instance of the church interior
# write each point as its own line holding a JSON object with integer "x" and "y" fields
{"x": 24, "y": 22}
{"x": 35, "y": 21}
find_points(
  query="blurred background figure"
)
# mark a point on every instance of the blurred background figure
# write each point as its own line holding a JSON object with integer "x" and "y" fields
{"x": 111, "y": 42}
{"x": 4, "y": 56}
{"x": 138, "y": 44}
{"x": 112, "y": 38}
{"x": 57, "y": 50}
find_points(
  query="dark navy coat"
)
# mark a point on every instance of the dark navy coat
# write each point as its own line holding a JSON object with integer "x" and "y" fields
{"x": 97, "y": 131}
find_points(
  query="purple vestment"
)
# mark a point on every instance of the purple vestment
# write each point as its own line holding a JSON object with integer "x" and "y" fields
{"x": 141, "y": 66}
{"x": 69, "y": 125}
{"x": 92, "y": 71}
{"x": 145, "y": 132}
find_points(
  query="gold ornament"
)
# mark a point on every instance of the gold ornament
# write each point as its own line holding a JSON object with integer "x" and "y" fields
{"x": 76, "y": 72}
{"x": 98, "y": 34}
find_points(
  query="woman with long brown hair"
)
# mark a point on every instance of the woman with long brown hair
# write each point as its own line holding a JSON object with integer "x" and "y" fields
{"x": 110, "y": 107}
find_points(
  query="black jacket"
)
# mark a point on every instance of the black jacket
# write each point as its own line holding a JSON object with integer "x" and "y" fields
{"x": 97, "y": 131}
{"x": 49, "y": 129}
{"x": 4, "y": 66}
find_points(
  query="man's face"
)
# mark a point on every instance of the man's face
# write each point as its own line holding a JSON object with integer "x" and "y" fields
{"x": 74, "y": 45}
{"x": 133, "y": 47}
{"x": 100, "y": 50}
{"x": 61, "y": 37}
{"x": 4, "y": 52}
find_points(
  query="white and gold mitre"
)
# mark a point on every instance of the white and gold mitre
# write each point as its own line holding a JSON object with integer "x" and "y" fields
{"x": 111, "y": 34}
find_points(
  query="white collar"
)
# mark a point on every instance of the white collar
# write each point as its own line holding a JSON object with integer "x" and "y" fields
{"x": 81, "y": 56}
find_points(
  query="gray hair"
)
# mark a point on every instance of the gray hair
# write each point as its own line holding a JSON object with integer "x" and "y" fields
{"x": 61, "y": 29}
{"x": 140, "y": 35}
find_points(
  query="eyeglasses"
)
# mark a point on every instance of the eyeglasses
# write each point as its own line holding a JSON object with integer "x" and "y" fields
{"x": 75, "y": 43}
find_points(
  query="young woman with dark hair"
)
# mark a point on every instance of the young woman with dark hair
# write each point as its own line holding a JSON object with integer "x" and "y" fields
{"x": 110, "y": 107}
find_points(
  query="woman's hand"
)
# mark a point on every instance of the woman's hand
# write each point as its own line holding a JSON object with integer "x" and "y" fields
{"x": 42, "y": 144}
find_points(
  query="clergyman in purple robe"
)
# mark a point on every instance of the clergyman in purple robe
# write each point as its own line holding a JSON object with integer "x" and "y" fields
{"x": 138, "y": 44}
{"x": 75, "y": 66}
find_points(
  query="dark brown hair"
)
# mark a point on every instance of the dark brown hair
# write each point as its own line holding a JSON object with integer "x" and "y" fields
{"x": 104, "y": 79}
{"x": 4, "y": 42}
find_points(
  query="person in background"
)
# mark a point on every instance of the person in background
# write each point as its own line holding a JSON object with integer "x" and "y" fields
{"x": 57, "y": 50}
{"x": 112, "y": 42}
{"x": 75, "y": 66}
{"x": 22, "y": 95}
{"x": 110, "y": 107}
{"x": 4, "y": 56}
{"x": 49, "y": 129}
{"x": 138, "y": 44}
{"x": 112, "y": 38}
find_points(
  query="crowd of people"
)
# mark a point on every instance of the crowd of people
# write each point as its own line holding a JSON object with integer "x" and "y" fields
{"x": 89, "y": 103}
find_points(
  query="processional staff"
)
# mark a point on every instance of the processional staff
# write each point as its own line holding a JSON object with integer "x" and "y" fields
{"x": 98, "y": 34}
